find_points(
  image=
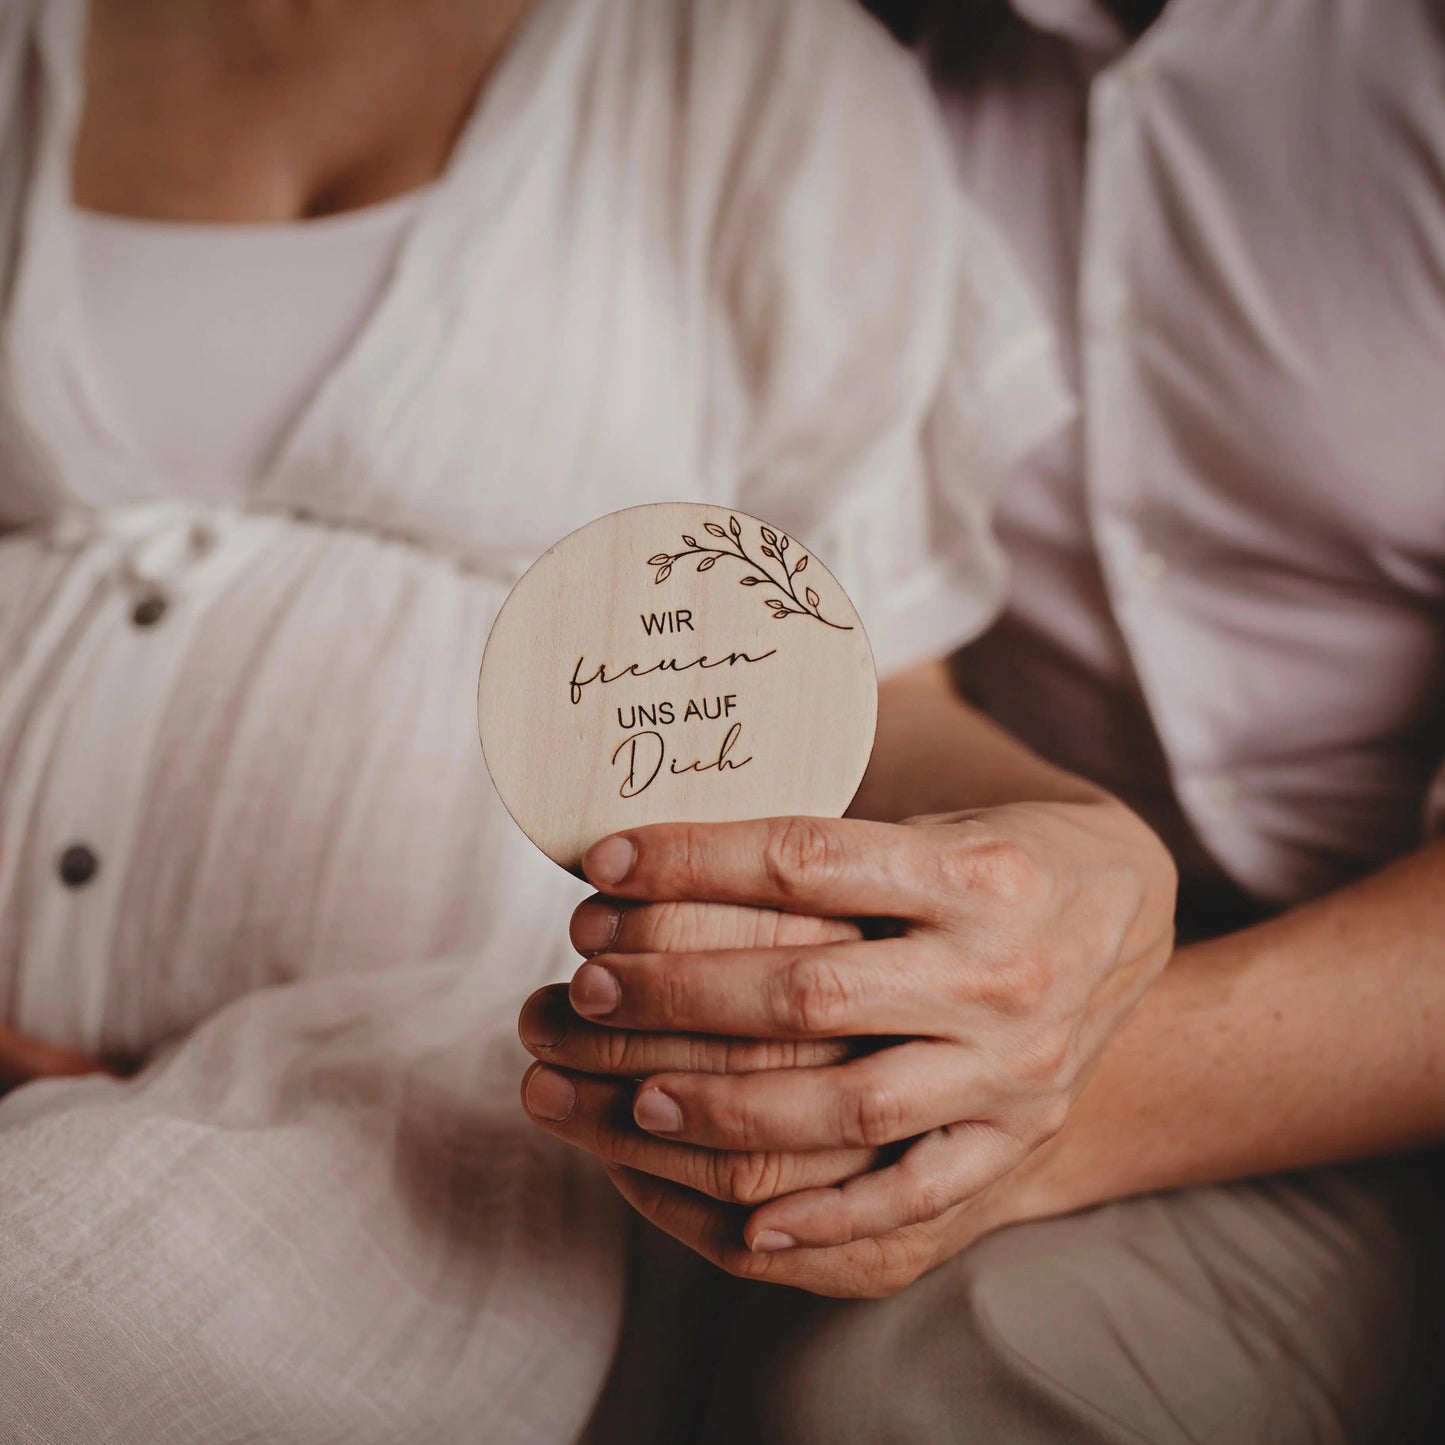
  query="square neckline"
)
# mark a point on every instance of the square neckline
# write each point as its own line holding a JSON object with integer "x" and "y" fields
{"x": 43, "y": 335}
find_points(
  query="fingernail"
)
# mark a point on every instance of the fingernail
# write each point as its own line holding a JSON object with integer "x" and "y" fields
{"x": 770, "y": 1241}
{"x": 551, "y": 1096}
{"x": 594, "y": 927}
{"x": 543, "y": 1024}
{"x": 594, "y": 991}
{"x": 657, "y": 1112}
{"x": 609, "y": 861}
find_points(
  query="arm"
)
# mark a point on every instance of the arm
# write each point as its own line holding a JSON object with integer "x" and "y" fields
{"x": 1315, "y": 1038}
{"x": 934, "y": 753}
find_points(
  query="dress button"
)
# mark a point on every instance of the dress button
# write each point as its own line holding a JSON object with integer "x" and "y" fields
{"x": 78, "y": 865}
{"x": 149, "y": 610}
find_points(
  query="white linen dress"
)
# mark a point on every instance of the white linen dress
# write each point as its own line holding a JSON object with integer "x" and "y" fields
{"x": 695, "y": 249}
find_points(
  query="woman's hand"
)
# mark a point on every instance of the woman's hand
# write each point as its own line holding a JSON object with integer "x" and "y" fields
{"x": 1019, "y": 937}
{"x": 23, "y": 1059}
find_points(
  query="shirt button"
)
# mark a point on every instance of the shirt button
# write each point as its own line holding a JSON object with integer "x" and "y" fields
{"x": 1151, "y": 567}
{"x": 78, "y": 865}
{"x": 149, "y": 610}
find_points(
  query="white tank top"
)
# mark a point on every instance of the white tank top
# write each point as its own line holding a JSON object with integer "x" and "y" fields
{"x": 208, "y": 340}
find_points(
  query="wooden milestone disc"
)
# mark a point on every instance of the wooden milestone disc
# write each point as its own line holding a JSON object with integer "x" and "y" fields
{"x": 669, "y": 663}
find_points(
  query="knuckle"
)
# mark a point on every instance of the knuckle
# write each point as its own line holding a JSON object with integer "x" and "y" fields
{"x": 1030, "y": 979}
{"x": 614, "y": 1051}
{"x": 665, "y": 927}
{"x": 733, "y": 1121}
{"x": 1052, "y": 1117}
{"x": 1046, "y": 1060}
{"x": 744, "y": 1264}
{"x": 1001, "y": 868}
{"x": 687, "y": 859}
{"x": 750, "y": 1056}
{"x": 813, "y": 998}
{"x": 1017, "y": 985}
{"x": 883, "y": 1269}
{"x": 874, "y": 1116}
{"x": 798, "y": 853}
{"x": 933, "y": 1196}
{"x": 750, "y": 1178}
{"x": 743, "y": 1055}
{"x": 673, "y": 991}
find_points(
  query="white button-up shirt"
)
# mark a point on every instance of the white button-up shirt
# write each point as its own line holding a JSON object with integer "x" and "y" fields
{"x": 1229, "y": 595}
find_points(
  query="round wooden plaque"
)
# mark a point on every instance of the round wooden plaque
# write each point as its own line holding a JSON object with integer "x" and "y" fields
{"x": 668, "y": 663}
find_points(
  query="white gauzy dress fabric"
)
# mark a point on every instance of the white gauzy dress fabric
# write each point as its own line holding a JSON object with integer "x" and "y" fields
{"x": 684, "y": 249}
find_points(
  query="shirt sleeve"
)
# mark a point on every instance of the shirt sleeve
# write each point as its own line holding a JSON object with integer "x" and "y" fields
{"x": 890, "y": 360}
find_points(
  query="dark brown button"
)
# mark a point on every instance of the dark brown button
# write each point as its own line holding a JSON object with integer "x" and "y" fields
{"x": 78, "y": 865}
{"x": 149, "y": 610}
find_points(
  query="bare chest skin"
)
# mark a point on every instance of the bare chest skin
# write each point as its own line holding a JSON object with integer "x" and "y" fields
{"x": 275, "y": 110}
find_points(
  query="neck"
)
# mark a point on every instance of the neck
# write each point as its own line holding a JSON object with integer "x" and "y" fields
{"x": 270, "y": 110}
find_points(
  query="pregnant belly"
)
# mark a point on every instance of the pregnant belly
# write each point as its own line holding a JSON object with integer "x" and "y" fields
{"x": 264, "y": 767}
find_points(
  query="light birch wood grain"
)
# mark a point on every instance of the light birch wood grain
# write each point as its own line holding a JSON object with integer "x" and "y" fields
{"x": 638, "y": 674}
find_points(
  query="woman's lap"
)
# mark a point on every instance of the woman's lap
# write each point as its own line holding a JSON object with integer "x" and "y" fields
{"x": 321, "y": 1217}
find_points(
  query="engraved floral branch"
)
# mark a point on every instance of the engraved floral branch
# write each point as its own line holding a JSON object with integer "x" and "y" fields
{"x": 774, "y": 546}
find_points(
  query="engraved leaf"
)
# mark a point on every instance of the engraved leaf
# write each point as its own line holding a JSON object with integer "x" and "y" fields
{"x": 715, "y": 529}
{"x": 811, "y": 596}
{"x": 691, "y": 541}
{"x": 776, "y": 603}
{"x": 781, "y": 613}
{"x": 783, "y": 545}
{"x": 770, "y": 536}
{"x": 800, "y": 564}
{"x": 661, "y": 559}
{"x": 734, "y": 528}
{"x": 706, "y": 563}
{"x": 768, "y": 552}
{"x": 663, "y": 573}
{"x": 751, "y": 581}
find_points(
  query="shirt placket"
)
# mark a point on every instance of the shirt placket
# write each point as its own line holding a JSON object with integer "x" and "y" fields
{"x": 1135, "y": 559}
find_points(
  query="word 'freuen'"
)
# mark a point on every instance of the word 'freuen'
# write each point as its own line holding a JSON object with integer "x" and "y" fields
{"x": 604, "y": 675}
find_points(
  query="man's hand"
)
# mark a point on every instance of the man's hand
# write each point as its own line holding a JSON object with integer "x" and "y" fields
{"x": 1017, "y": 939}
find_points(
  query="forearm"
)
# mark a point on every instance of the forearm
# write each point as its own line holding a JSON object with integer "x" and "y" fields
{"x": 1316, "y": 1038}
{"x": 934, "y": 753}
